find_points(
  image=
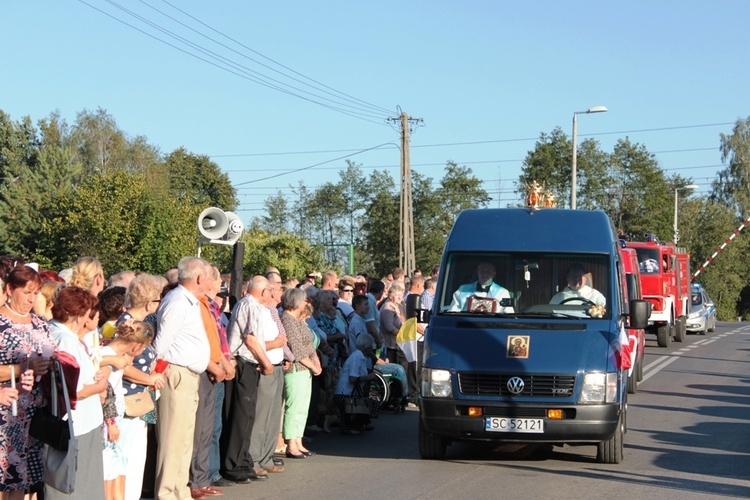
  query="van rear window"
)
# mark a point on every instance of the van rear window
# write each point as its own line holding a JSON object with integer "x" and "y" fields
{"x": 554, "y": 284}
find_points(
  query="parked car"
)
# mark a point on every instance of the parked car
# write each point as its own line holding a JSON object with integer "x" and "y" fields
{"x": 702, "y": 316}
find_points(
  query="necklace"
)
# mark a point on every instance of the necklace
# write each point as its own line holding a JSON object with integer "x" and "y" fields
{"x": 7, "y": 304}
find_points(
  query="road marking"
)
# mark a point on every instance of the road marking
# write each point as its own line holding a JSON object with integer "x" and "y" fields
{"x": 659, "y": 368}
{"x": 662, "y": 362}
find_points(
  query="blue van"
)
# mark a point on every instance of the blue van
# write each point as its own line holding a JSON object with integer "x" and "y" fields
{"x": 523, "y": 340}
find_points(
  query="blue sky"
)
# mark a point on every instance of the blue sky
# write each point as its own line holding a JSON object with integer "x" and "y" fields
{"x": 487, "y": 77}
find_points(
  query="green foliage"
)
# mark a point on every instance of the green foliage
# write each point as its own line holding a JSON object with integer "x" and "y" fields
{"x": 549, "y": 163}
{"x": 291, "y": 255}
{"x": 641, "y": 199}
{"x": 276, "y": 219}
{"x": 90, "y": 190}
{"x": 732, "y": 187}
{"x": 196, "y": 180}
{"x": 115, "y": 217}
{"x": 381, "y": 227}
{"x": 704, "y": 226}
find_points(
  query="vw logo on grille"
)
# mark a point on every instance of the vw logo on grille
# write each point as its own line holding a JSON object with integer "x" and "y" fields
{"x": 515, "y": 385}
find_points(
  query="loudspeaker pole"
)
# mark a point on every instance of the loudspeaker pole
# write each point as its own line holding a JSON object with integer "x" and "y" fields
{"x": 407, "y": 259}
{"x": 238, "y": 257}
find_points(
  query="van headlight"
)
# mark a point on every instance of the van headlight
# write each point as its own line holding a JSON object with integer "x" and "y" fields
{"x": 436, "y": 383}
{"x": 599, "y": 388}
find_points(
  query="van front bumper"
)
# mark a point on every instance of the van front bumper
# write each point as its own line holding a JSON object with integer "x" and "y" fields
{"x": 583, "y": 423}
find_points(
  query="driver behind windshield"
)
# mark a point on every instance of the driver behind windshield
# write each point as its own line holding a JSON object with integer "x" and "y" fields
{"x": 483, "y": 287}
{"x": 578, "y": 289}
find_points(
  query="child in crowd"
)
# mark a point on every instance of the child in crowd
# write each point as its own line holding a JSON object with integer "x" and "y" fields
{"x": 129, "y": 341}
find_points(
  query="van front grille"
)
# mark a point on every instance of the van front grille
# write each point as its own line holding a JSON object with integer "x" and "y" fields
{"x": 493, "y": 384}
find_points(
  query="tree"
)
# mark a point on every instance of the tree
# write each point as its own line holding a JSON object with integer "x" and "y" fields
{"x": 435, "y": 210}
{"x": 34, "y": 181}
{"x": 198, "y": 181}
{"x": 732, "y": 187}
{"x": 639, "y": 194}
{"x": 115, "y": 217}
{"x": 381, "y": 226}
{"x": 276, "y": 220}
{"x": 291, "y": 255}
{"x": 550, "y": 164}
{"x": 704, "y": 226}
{"x": 101, "y": 144}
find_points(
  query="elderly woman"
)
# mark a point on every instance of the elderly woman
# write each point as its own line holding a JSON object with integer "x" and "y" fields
{"x": 25, "y": 337}
{"x": 335, "y": 331}
{"x": 391, "y": 319}
{"x": 71, "y": 314}
{"x": 331, "y": 347}
{"x": 141, "y": 301}
{"x": 298, "y": 382}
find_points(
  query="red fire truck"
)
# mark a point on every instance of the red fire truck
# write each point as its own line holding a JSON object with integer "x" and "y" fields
{"x": 665, "y": 283}
{"x": 636, "y": 336}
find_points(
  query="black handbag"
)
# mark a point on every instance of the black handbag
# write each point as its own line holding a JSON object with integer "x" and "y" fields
{"x": 356, "y": 403}
{"x": 46, "y": 425}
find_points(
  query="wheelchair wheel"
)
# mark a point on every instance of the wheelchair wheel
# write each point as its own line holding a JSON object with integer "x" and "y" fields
{"x": 379, "y": 389}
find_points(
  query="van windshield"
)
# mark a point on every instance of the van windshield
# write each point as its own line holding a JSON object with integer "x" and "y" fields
{"x": 526, "y": 285}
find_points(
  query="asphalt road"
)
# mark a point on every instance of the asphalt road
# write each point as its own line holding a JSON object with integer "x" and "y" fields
{"x": 688, "y": 437}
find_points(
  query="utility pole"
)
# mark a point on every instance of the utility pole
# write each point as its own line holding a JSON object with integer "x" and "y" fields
{"x": 407, "y": 260}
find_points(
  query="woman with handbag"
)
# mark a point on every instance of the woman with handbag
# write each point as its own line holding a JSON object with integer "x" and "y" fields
{"x": 140, "y": 381}
{"x": 69, "y": 327}
{"x": 298, "y": 382}
{"x": 24, "y": 338}
{"x": 352, "y": 374}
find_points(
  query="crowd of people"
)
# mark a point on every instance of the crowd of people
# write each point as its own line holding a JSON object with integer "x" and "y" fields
{"x": 179, "y": 389}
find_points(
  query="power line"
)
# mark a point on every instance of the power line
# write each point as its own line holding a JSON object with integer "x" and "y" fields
{"x": 247, "y": 72}
{"x": 373, "y": 106}
{"x": 311, "y": 166}
{"x": 233, "y": 67}
{"x": 491, "y": 141}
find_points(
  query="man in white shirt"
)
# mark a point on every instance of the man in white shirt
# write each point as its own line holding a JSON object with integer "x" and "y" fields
{"x": 270, "y": 388}
{"x": 181, "y": 340}
{"x": 484, "y": 286}
{"x": 578, "y": 289}
{"x": 248, "y": 325}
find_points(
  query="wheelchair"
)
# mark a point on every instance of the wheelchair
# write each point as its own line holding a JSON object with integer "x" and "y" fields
{"x": 387, "y": 391}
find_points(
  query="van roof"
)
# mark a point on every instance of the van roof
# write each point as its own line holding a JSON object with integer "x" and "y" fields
{"x": 520, "y": 229}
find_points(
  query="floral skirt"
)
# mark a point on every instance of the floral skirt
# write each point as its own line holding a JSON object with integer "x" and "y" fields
{"x": 21, "y": 456}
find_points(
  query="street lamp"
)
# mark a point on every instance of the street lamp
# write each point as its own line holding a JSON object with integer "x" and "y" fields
{"x": 595, "y": 109}
{"x": 689, "y": 187}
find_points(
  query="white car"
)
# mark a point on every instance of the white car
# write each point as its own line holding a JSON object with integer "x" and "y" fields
{"x": 702, "y": 317}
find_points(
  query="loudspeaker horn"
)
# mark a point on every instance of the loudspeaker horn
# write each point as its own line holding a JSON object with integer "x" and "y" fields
{"x": 234, "y": 227}
{"x": 212, "y": 223}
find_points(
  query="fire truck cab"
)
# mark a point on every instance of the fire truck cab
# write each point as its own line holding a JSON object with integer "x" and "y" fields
{"x": 665, "y": 283}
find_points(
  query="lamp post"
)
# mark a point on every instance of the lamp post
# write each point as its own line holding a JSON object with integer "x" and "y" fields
{"x": 574, "y": 173}
{"x": 677, "y": 190}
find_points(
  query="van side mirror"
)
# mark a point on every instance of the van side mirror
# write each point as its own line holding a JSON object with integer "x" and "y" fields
{"x": 414, "y": 308}
{"x": 640, "y": 310}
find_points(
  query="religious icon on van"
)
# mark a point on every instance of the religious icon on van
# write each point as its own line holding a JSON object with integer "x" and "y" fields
{"x": 518, "y": 346}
